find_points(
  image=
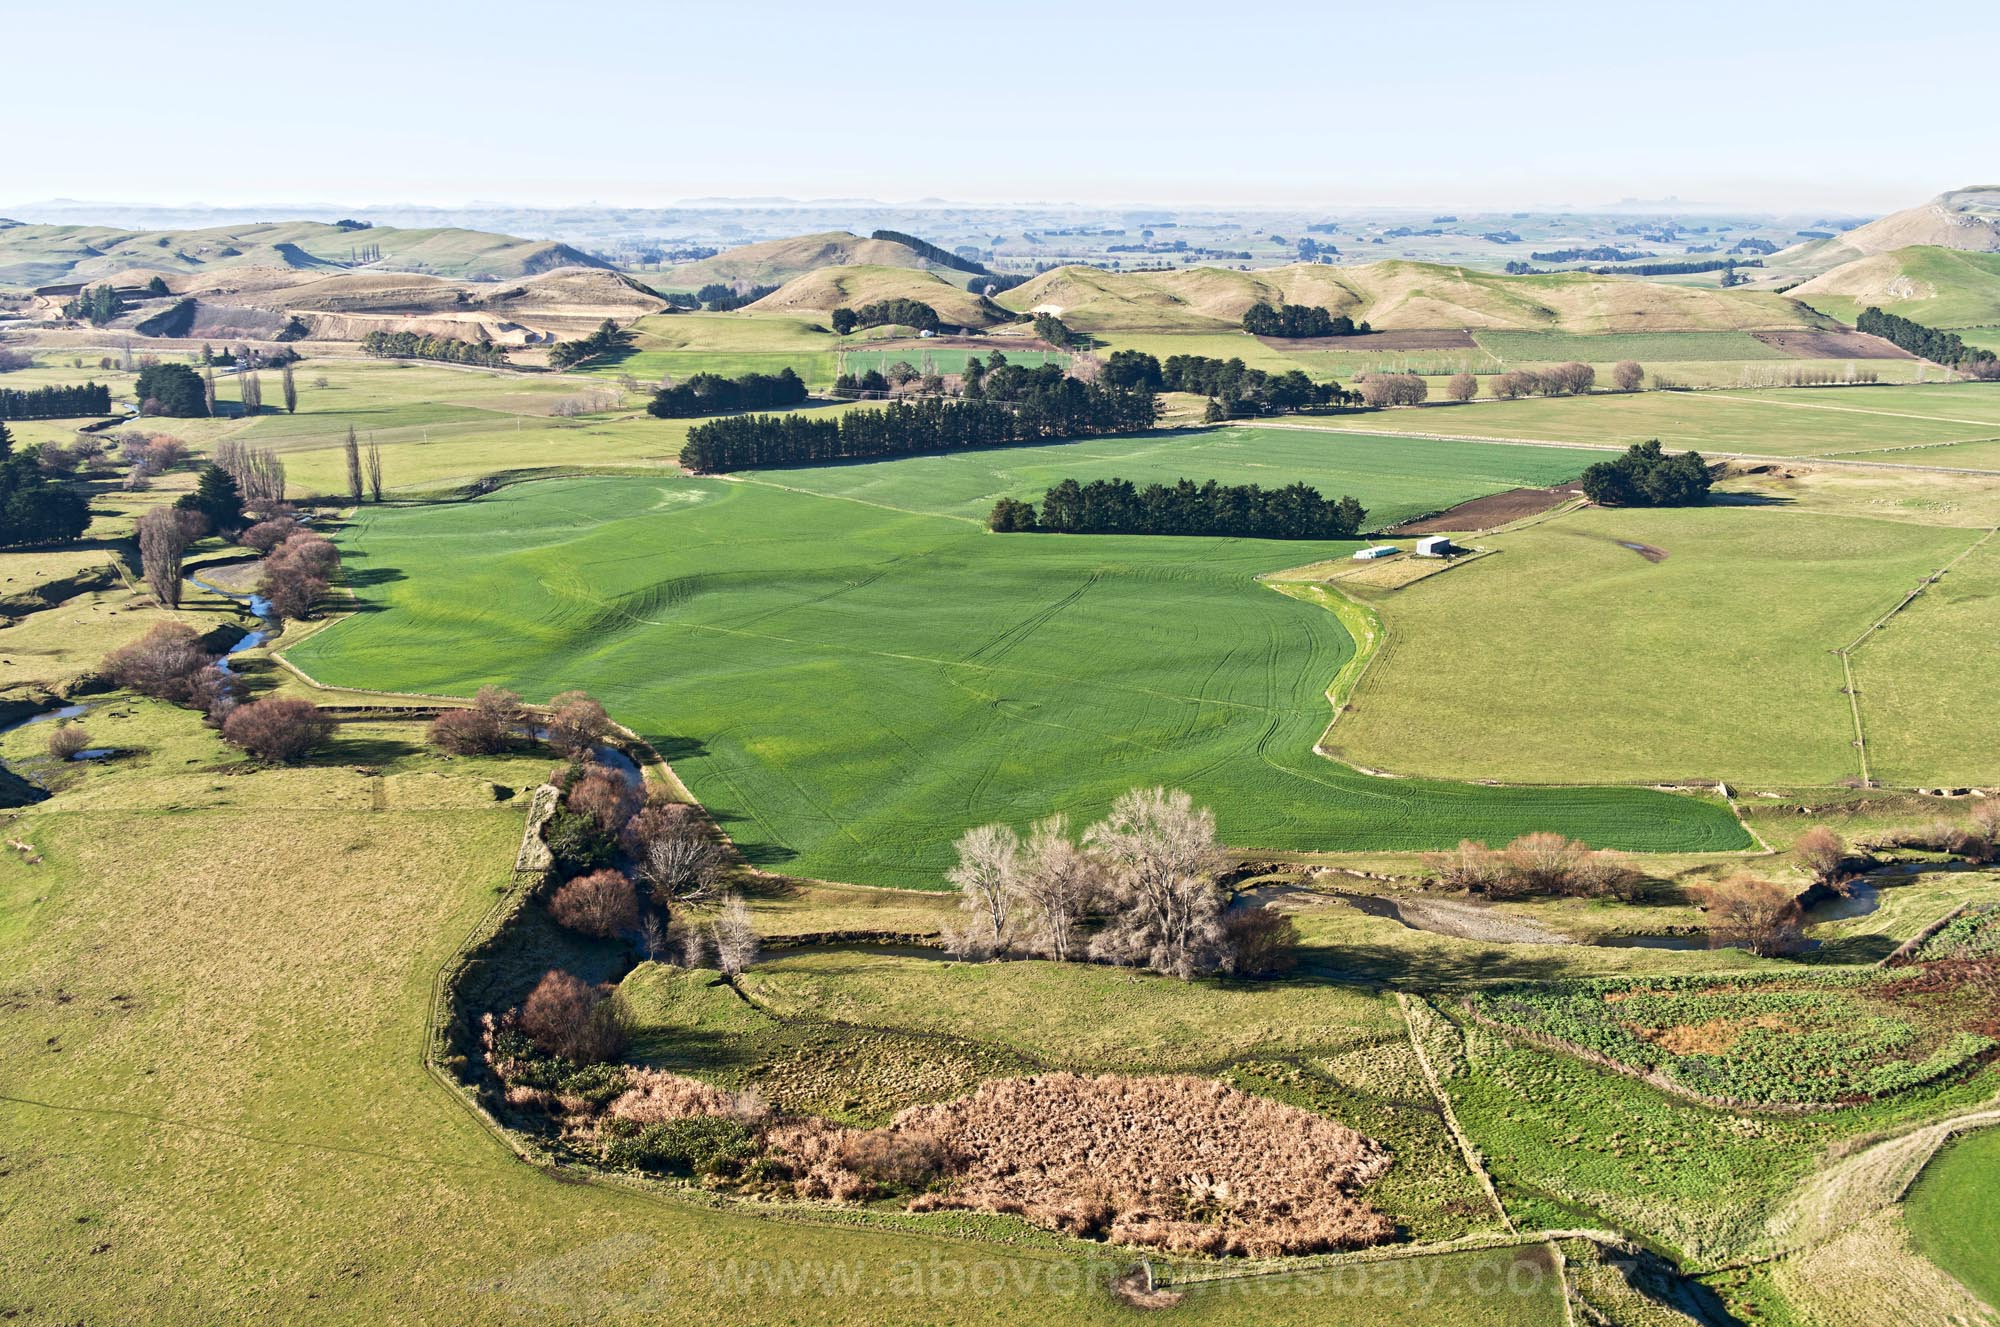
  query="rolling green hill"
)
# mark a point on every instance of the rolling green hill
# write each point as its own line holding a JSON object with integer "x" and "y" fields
{"x": 831, "y": 288}
{"x": 1936, "y": 286}
{"x": 1399, "y": 295}
{"x": 46, "y": 255}
{"x": 775, "y": 262}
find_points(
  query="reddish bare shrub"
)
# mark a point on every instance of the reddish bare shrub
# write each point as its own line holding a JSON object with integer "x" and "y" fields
{"x": 467, "y": 733}
{"x": 1260, "y": 943}
{"x": 565, "y": 1015}
{"x": 605, "y": 796}
{"x": 296, "y": 574}
{"x": 1628, "y": 375}
{"x": 1462, "y": 387}
{"x": 576, "y": 723}
{"x": 1761, "y": 916}
{"x": 1471, "y": 866}
{"x": 267, "y": 535}
{"x": 1544, "y": 863}
{"x": 1186, "y": 1164}
{"x": 67, "y": 739}
{"x": 278, "y": 729}
{"x": 602, "y": 904}
{"x": 162, "y": 664}
{"x": 1822, "y": 852}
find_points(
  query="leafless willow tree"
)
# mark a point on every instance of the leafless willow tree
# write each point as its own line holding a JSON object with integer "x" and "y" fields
{"x": 374, "y": 459}
{"x": 165, "y": 534}
{"x": 1162, "y": 858}
{"x": 1055, "y": 884}
{"x": 988, "y": 858}
{"x": 734, "y": 937}
{"x": 1762, "y": 916}
{"x": 353, "y": 465}
{"x": 673, "y": 852}
{"x": 250, "y": 389}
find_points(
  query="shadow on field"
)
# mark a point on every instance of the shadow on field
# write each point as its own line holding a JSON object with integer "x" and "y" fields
{"x": 376, "y": 576}
{"x": 1749, "y": 500}
{"x": 1396, "y": 968}
{"x": 373, "y": 749}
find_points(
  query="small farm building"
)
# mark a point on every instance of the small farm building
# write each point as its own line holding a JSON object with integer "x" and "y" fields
{"x": 1434, "y": 546}
{"x": 1378, "y": 551}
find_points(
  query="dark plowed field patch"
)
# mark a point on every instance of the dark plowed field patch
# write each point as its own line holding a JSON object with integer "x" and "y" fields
{"x": 1456, "y": 340}
{"x": 1493, "y": 510}
{"x": 1832, "y": 345}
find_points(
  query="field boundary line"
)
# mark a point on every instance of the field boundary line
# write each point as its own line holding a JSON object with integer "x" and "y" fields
{"x": 1473, "y": 1161}
{"x": 1847, "y": 651}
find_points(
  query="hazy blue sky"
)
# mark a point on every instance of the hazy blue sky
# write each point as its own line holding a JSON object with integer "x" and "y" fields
{"x": 1827, "y": 105}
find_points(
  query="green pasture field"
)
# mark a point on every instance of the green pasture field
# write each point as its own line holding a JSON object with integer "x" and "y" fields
{"x": 1926, "y": 680}
{"x": 1568, "y": 656}
{"x": 151, "y": 1121}
{"x": 683, "y": 344}
{"x": 849, "y": 689}
{"x": 1818, "y": 421}
{"x": 1524, "y": 348}
{"x": 1953, "y": 1211}
{"x": 1210, "y": 345}
{"x": 1395, "y": 478}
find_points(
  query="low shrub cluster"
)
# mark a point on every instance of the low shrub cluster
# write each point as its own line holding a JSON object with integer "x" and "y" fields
{"x": 277, "y": 730}
{"x": 297, "y": 572}
{"x": 1645, "y": 476}
{"x": 1534, "y": 865}
{"x": 169, "y": 663}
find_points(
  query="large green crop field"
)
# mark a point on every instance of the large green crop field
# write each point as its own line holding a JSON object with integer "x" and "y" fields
{"x": 849, "y": 688}
{"x": 1517, "y": 348}
{"x": 1396, "y": 478}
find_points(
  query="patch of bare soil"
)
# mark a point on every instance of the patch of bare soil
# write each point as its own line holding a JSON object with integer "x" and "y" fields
{"x": 1650, "y": 552}
{"x": 1841, "y": 344}
{"x": 1180, "y": 1163}
{"x": 1416, "y": 340}
{"x": 1496, "y": 509}
{"x": 1713, "y": 1037}
{"x": 1459, "y": 919}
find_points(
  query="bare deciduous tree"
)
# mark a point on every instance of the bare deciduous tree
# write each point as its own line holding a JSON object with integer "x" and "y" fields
{"x": 1628, "y": 376}
{"x": 984, "y": 876}
{"x": 567, "y": 1016}
{"x": 734, "y": 937}
{"x": 1161, "y": 855}
{"x": 1822, "y": 852}
{"x": 1462, "y": 387}
{"x": 1762, "y": 916}
{"x": 291, "y": 390}
{"x": 374, "y": 459}
{"x": 674, "y": 854}
{"x": 165, "y": 533}
{"x": 1055, "y": 884}
{"x": 577, "y": 722}
{"x": 67, "y": 739}
{"x": 353, "y": 449}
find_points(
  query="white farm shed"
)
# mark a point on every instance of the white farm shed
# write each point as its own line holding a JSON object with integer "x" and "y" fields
{"x": 1378, "y": 551}
{"x": 1434, "y": 546}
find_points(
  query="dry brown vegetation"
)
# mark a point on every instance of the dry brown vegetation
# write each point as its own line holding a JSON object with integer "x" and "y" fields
{"x": 66, "y": 740}
{"x": 1185, "y": 1164}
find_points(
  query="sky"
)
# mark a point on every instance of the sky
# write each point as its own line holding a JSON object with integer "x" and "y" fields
{"x": 1783, "y": 107}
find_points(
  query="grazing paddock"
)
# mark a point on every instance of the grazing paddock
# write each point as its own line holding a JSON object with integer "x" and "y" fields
{"x": 716, "y": 617}
{"x": 1953, "y": 1211}
{"x": 1711, "y": 664}
{"x": 1819, "y": 421}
